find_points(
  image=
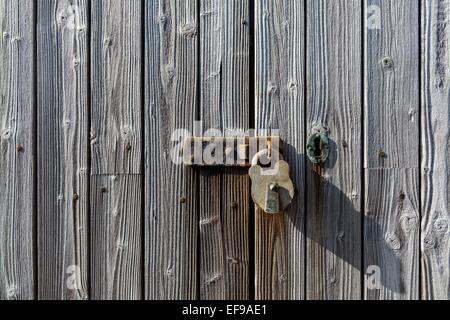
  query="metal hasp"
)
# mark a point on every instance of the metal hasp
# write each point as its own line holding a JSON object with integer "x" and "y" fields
{"x": 272, "y": 188}
{"x": 318, "y": 147}
{"x": 226, "y": 151}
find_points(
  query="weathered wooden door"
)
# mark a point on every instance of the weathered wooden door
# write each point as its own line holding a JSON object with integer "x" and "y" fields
{"x": 93, "y": 92}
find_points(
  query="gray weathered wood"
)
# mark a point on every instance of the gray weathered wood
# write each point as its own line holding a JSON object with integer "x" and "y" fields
{"x": 116, "y": 242}
{"x": 116, "y": 86}
{"x": 116, "y": 131}
{"x": 333, "y": 213}
{"x": 17, "y": 276}
{"x": 224, "y": 106}
{"x": 279, "y": 92}
{"x": 435, "y": 189}
{"x": 171, "y": 211}
{"x": 391, "y": 233}
{"x": 391, "y": 84}
{"x": 62, "y": 148}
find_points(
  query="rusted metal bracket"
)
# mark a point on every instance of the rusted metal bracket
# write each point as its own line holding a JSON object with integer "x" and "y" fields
{"x": 272, "y": 188}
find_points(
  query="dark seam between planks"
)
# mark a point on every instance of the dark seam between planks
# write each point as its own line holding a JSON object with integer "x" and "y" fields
{"x": 419, "y": 157}
{"x": 35, "y": 156}
{"x": 196, "y": 174}
{"x": 363, "y": 129}
{"x": 305, "y": 133}
{"x": 251, "y": 110}
{"x": 143, "y": 144}
{"x": 89, "y": 104}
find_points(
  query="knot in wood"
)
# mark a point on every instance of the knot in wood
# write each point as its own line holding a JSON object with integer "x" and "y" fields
{"x": 441, "y": 226}
{"x": 429, "y": 242}
{"x": 232, "y": 260}
{"x": 393, "y": 242}
{"x": 387, "y": 63}
{"x": 189, "y": 30}
{"x": 6, "y": 134}
{"x": 11, "y": 293}
{"x": 293, "y": 86}
{"x": 408, "y": 222}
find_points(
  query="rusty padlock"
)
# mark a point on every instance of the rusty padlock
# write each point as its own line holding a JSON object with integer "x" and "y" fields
{"x": 272, "y": 188}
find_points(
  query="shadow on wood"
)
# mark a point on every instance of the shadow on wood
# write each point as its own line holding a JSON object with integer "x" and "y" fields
{"x": 336, "y": 226}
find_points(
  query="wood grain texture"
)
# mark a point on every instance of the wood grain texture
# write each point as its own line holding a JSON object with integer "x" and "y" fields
{"x": 17, "y": 275}
{"x": 392, "y": 149}
{"x": 333, "y": 213}
{"x": 435, "y": 188}
{"x": 392, "y": 86}
{"x": 116, "y": 86}
{"x": 62, "y": 148}
{"x": 224, "y": 106}
{"x": 391, "y": 232}
{"x": 279, "y": 104}
{"x": 116, "y": 138}
{"x": 116, "y": 237}
{"x": 171, "y": 206}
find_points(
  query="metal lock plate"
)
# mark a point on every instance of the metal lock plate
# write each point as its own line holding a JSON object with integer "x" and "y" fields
{"x": 318, "y": 148}
{"x": 272, "y": 189}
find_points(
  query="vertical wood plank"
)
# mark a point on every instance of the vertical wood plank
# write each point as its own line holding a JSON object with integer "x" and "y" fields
{"x": 224, "y": 106}
{"x": 17, "y": 275}
{"x": 116, "y": 131}
{"x": 279, "y": 104}
{"x": 333, "y": 211}
{"x": 171, "y": 206}
{"x": 116, "y": 87}
{"x": 391, "y": 234}
{"x": 116, "y": 237}
{"x": 435, "y": 189}
{"x": 62, "y": 120}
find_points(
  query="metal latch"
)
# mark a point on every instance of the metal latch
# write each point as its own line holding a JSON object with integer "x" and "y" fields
{"x": 272, "y": 188}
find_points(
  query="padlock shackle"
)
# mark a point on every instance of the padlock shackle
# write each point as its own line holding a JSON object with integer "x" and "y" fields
{"x": 264, "y": 152}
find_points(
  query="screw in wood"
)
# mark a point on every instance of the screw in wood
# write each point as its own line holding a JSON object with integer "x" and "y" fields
{"x": 20, "y": 148}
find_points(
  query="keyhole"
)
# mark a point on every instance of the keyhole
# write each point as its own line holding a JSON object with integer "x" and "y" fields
{"x": 317, "y": 147}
